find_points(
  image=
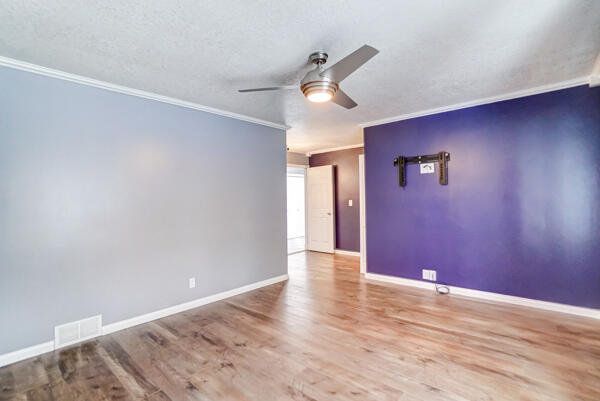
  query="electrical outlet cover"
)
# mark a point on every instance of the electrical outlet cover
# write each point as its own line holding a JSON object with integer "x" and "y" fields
{"x": 429, "y": 275}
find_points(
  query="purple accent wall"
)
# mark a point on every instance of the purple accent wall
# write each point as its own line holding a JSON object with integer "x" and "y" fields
{"x": 347, "y": 218}
{"x": 521, "y": 212}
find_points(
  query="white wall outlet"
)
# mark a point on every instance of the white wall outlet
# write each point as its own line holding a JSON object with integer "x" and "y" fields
{"x": 427, "y": 168}
{"x": 430, "y": 275}
{"x": 349, "y": 202}
{"x": 192, "y": 282}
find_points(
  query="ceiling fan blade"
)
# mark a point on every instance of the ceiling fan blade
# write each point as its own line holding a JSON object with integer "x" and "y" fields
{"x": 349, "y": 64}
{"x": 343, "y": 100}
{"x": 271, "y": 88}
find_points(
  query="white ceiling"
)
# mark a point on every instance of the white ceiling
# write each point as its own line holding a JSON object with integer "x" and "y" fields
{"x": 432, "y": 53}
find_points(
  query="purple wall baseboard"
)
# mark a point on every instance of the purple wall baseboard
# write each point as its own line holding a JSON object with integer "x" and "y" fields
{"x": 521, "y": 212}
{"x": 347, "y": 218}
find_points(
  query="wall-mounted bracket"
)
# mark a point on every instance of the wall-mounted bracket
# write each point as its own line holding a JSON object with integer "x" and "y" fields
{"x": 442, "y": 158}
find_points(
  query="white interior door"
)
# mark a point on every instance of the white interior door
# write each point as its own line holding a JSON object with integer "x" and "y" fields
{"x": 320, "y": 227}
{"x": 363, "y": 214}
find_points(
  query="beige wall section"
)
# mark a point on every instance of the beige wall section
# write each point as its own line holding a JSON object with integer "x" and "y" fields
{"x": 297, "y": 158}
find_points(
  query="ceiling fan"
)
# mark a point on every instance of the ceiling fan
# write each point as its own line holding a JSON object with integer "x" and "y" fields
{"x": 321, "y": 85}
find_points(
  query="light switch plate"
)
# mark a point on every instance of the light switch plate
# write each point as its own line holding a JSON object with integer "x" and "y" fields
{"x": 349, "y": 202}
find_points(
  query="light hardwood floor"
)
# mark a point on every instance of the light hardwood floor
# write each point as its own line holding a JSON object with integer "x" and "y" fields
{"x": 327, "y": 334}
{"x": 297, "y": 244}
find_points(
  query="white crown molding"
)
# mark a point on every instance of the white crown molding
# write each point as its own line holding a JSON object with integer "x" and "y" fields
{"x": 507, "y": 96}
{"x": 314, "y": 152}
{"x": 491, "y": 296}
{"x": 346, "y": 253}
{"x": 49, "y": 72}
{"x": 35, "y": 350}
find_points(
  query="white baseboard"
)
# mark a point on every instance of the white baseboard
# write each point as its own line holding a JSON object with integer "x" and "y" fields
{"x": 148, "y": 317}
{"x": 491, "y": 296}
{"x": 347, "y": 253}
{"x": 35, "y": 350}
{"x": 25, "y": 353}
{"x": 400, "y": 281}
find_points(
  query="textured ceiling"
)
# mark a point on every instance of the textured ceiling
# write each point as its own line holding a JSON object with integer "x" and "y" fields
{"x": 432, "y": 53}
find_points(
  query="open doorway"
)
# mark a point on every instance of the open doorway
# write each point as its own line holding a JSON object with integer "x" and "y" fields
{"x": 296, "y": 222}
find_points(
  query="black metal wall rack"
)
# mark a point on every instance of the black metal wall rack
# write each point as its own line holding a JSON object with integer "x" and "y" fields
{"x": 442, "y": 158}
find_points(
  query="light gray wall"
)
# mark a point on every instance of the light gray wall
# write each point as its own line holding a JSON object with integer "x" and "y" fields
{"x": 109, "y": 203}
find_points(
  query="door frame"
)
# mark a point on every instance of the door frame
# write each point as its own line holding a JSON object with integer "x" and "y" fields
{"x": 363, "y": 214}
{"x": 304, "y": 166}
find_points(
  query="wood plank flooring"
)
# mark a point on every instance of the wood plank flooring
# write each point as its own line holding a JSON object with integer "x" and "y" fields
{"x": 328, "y": 334}
{"x": 295, "y": 245}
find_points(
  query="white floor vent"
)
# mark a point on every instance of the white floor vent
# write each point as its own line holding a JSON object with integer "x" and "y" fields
{"x": 74, "y": 332}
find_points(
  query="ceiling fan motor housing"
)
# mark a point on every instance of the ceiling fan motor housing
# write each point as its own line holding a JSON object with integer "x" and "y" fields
{"x": 313, "y": 82}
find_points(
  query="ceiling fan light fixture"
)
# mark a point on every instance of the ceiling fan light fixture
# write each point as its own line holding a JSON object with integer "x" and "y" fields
{"x": 319, "y": 96}
{"x": 319, "y": 91}
{"x": 321, "y": 84}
